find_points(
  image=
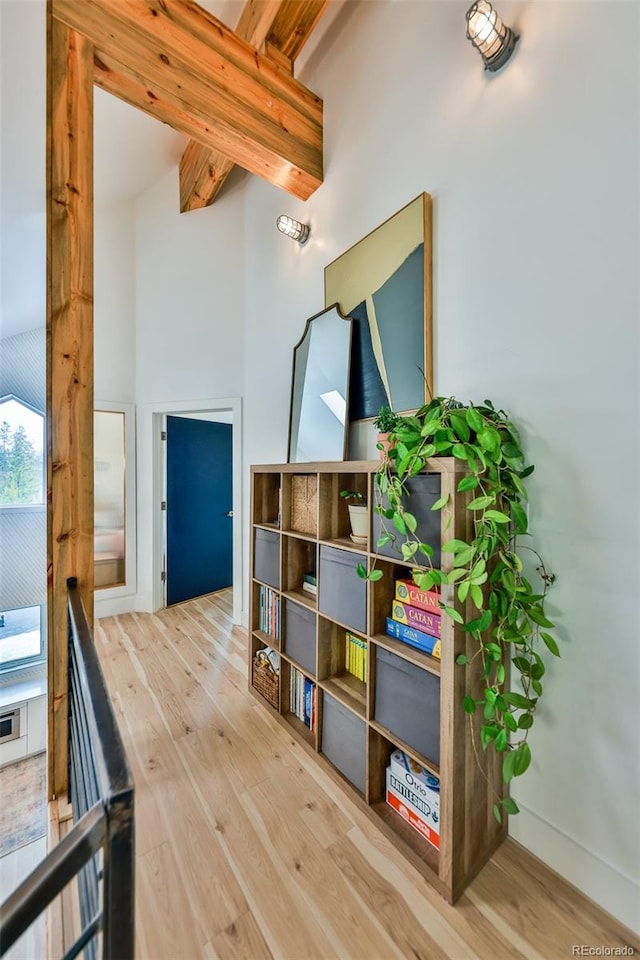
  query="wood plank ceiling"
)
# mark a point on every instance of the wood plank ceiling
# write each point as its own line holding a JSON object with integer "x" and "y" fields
{"x": 239, "y": 105}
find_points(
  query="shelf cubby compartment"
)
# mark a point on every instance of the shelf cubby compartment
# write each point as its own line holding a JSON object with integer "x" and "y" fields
{"x": 382, "y": 601}
{"x": 422, "y": 491}
{"x": 263, "y": 681}
{"x": 266, "y": 614}
{"x": 335, "y": 526}
{"x": 266, "y": 556}
{"x": 343, "y": 741}
{"x": 300, "y": 504}
{"x": 298, "y": 558}
{"x": 333, "y": 665}
{"x": 266, "y": 499}
{"x": 383, "y": 591}
{"x": 342, "y": 594}
{"x": 292, "y": 701}
{"x": 299, "y": 641}
{"x": 380, "y": 748}
{"x": 406, "y": 702}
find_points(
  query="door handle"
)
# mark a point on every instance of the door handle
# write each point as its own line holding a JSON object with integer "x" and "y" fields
{"x": 229, "y": 513}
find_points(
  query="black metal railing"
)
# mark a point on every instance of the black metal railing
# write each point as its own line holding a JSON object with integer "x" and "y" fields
{"x": 98, "y": 850}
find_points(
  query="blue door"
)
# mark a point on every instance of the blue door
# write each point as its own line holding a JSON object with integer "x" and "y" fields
{"x": 199, "y": 498}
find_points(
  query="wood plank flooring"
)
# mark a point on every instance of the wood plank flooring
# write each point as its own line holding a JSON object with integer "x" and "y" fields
{"x": 246, "y": 848}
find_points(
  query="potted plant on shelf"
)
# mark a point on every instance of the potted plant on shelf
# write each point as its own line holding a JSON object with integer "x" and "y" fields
{"x": 358, "y": 514}
{"x": 385, "y": 422}
{"x": 486, "y": 571}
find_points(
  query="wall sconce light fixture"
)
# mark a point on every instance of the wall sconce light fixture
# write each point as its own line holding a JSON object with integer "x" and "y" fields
{"x": 293, "y": 228}
{"x": 488, "y": 34}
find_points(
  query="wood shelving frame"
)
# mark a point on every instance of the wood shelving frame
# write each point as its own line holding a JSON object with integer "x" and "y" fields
{"x": 470, "y": 779}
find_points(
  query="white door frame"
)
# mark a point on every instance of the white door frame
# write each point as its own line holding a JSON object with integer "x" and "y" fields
{"x": 154, "y": 418}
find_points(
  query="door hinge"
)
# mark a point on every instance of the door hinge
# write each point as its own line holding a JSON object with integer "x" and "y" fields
{"x": 163, "y": 505}
{"x": 163, "y": 435}
{"x": 163, "y": 576}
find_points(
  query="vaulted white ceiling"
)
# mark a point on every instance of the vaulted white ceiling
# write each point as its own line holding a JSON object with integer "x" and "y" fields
{"x": 132, "y": 151}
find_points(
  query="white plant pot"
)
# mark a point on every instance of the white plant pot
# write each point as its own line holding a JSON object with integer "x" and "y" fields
{"x": 359, "y": 517}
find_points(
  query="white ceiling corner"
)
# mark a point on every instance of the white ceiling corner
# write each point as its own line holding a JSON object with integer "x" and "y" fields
{"x": 132, "y": 152}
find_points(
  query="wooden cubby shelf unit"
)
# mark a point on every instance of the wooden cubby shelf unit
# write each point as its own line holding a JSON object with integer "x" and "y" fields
{"x": 312, "y": 639}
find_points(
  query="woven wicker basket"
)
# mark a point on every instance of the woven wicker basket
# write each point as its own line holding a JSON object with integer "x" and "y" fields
{"x": 265, "y": 680}
{"x": 304, "y": 504}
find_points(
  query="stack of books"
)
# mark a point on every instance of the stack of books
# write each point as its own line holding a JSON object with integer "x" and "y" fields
{"x": 303, "y": 698}
{"x": 269, "y": 618}
{"x": 414, "y": 793}
{"x": 310, "y": 584}
{"x": 415, "y": 617}
{"x": 355, "y": 656}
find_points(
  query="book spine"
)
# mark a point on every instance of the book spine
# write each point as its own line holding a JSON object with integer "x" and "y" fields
{"x": 407, "y": 592}
{"x": 260, "y": 610}
{"x": 355, "y": 656}
{"x": 414, "y": 617}
{"x": 415, "y": 638}
{"x": 412, "y": 816}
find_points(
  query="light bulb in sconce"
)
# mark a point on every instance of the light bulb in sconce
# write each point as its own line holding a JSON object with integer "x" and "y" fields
{"x": 293, "y": 228}
{"x": 492, "y": 39}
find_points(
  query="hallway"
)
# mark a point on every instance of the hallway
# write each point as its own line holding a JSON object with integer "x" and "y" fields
{"x": 245, "y": 848}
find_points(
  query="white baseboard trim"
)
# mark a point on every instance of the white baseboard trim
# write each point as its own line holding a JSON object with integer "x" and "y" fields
{"x": 113, "y": 606}
{"x": 144, "y": 603}
{"x": 603, "y": 883}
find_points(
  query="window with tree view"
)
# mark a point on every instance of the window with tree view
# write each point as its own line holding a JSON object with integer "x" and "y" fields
{"x": 22, "y": 515}
{"x": 21, "y": 454}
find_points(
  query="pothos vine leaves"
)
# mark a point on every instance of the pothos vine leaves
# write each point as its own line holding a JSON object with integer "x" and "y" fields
{"x": 509, "y": 615}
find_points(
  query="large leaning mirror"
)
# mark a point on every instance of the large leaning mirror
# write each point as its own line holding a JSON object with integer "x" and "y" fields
{"x": 320, "y": 389}
{"x": 384, "y": 283}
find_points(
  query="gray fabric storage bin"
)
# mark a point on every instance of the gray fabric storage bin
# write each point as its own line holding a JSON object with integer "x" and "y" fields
{"x": 266, "y": 557}
{"x": 423, "y": 490}
{"x": 300, "y": 635}
{"x": 408, "y": 703}
{"x": 342, "y": 594}
{"x": 344, "y": 741}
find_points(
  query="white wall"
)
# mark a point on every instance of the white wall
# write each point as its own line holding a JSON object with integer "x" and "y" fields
{"x": 534, "y": 175}
{"x": 189, "y": 322}
{"x": 22, "y": 166}
{"x": 114, "y": 302}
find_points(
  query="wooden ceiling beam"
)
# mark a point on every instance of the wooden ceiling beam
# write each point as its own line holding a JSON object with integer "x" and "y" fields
{"x": 179, "y": 64}
{"x": 279, "y": 28}
{"x": 293, "y": 25}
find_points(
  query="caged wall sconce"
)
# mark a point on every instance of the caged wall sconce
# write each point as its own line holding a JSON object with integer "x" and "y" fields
{"x": 492, "y": 39}
{"x": 293, "y": 228}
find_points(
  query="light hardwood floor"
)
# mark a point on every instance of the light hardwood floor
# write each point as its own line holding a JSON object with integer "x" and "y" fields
{"x": 245, "y": 848}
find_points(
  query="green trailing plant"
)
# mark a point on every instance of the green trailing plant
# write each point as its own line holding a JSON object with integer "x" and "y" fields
{"x": 386, "y": 420}
{"x": 509, "y": 618}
